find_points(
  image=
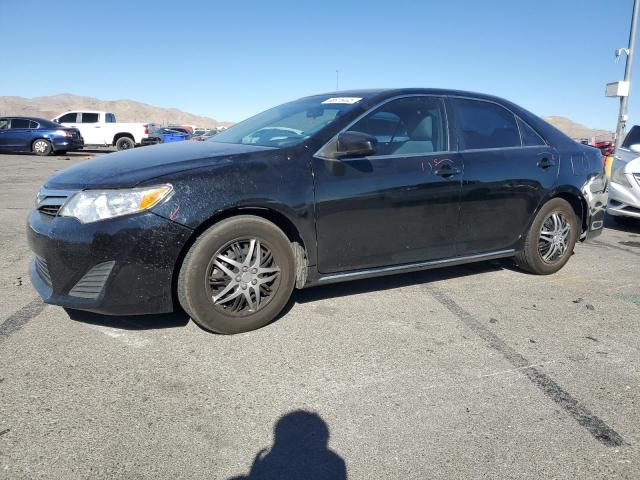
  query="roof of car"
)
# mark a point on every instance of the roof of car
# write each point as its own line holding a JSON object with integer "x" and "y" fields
{"x": 374, "y": 92}
{"x": 35, "y": 119}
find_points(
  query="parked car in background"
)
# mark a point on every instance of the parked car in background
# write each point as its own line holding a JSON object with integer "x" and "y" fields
{"x": 100, "y": 129}
{"x": 328, "y": 188}
{"x": 207, "y": 134}
{"x": 37, "y": 135}
{"x": 182, "y": 130}
{"x": 624, "y": 190}
{"x": 201, "y": 131}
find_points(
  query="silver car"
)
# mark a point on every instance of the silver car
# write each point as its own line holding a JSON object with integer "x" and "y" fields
{"x": 624, "y": 189}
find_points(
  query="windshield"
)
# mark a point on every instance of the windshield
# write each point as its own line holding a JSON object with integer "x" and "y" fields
{"x": 289, "y": 123}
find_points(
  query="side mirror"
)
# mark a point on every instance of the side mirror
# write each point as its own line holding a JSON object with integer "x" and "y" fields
{"x": 355, "y": 144}
{"x": 635, "y": 148}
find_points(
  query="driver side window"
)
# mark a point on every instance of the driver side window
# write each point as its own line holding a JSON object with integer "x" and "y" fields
{"x": 407, "y": 126}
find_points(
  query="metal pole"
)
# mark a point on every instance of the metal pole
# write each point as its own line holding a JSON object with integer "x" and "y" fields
{"x": 624, "y": 101}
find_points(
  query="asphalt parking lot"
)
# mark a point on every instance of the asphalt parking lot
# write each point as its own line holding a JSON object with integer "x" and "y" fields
{"x": 479, "y": 371}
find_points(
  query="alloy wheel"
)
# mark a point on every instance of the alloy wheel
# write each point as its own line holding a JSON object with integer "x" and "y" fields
{"x": 242, "y": 276}
{"x": 554, "y": 237}
{"x": 40, "y": 146}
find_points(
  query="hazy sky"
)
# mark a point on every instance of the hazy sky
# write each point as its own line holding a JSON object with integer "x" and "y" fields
{"x": 231, "y": 59}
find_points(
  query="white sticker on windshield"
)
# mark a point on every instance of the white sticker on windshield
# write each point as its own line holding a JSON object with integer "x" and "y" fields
{"x": 346, "y": 100}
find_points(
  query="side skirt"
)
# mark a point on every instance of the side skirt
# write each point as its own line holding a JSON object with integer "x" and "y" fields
{"x": 410, "y": 267}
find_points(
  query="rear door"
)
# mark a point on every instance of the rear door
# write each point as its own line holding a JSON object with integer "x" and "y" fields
{"x": 92, "y": 130}
{"x": 397, "y": 206}
{"x": 508, "y": 170}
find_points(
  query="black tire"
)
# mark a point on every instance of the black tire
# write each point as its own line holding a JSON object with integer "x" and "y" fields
{"x": 41, "y": 147}
{"x": 193, "y": 291}
{"x": 530, "y": 257}
{"x": 125, "y": 143}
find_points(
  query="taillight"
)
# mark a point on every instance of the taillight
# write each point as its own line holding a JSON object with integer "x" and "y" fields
{"x": 146, "y": 129}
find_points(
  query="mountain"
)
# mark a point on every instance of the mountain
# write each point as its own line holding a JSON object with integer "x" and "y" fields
{"x": 132, "y": 111}
{"x": 578, "y": 131}
{"x": 125, "y": 110}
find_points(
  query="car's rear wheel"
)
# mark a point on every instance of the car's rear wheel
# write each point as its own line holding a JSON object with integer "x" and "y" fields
{"x": 550, "y": 241}
{"x": 125, "y": 143}
{"x": 237, "y": 276}
{"x": 41, "y": 147}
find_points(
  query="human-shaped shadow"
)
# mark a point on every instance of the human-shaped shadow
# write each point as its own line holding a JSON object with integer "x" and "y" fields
{"x": 299, "y": 451}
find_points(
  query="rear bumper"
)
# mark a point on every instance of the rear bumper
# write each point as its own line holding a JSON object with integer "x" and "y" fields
{"x": 122, "y": 266}
{"x": 67, "y": 143}
{"x": 151, "y": 141}
{"x": 595, "y": 194}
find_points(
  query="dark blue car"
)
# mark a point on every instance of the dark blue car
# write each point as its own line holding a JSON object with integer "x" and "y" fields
{"x": 37, "y": 135}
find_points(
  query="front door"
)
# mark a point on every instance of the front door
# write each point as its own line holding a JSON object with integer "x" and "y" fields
{"x": 19, "y": 135}
{"x": 508, "y": 170}
{"x": 397, "y": 206}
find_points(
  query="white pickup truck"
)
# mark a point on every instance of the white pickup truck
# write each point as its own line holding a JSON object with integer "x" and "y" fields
{"x": 101, "y": 129}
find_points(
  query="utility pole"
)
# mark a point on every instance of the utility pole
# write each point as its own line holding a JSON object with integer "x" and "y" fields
{"x": 624, "y": 100}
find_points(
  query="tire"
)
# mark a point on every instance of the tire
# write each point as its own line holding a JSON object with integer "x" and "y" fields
{"x": 537, "y": 245}
{"x": 202, "y": 279}
{"x": 125, "y": 143}
{"x": 41, "y": 147}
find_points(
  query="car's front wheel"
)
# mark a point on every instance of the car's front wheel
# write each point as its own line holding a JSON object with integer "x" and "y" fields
{"x": 550, "y": 241}
{"x": 41, "y": 147}
{"x": 237, "y": 276}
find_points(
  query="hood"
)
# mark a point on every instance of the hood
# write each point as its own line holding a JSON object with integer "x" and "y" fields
{"x": 130, "y": 167}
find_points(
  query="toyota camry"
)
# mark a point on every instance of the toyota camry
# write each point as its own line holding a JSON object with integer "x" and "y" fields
{"x": 327, "y": 188}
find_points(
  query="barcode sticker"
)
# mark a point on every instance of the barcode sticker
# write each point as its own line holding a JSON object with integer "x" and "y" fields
{"x": 345, "y": 100}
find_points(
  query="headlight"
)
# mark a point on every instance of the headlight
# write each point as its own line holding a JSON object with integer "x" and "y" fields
{"x": 93, "y": 205}
{"x": 617, "y": 173}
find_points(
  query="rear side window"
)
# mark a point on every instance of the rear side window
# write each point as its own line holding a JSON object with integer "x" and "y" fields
{"x": 90, "y": 117}
{"x": 19, "y": 123}
{"x": 485, "y": 124}
{"x": 529, "y": 136}
{"x": 33, "y": 124}
{"x": 4, "y": 124}
{"x": 68, "y": 118}
{"x": 110, "y": 118}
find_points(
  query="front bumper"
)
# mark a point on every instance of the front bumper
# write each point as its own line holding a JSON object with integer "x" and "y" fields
{"x": 624, "y": 200}
{"x": 122, "y": 266}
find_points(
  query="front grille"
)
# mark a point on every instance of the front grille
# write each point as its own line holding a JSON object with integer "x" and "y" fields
{"x": 43, "y": 270}
{"x": 49, "y": 202}
{"x": 91, "y": 284}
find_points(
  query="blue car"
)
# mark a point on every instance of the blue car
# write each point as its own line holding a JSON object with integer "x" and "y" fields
{"x": 37, "y": 135}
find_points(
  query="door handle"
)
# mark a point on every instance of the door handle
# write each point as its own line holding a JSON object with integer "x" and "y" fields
{"x": 546, "y": 163}
{"x": 446, "y": 171}
{"x": 97, "y": 126}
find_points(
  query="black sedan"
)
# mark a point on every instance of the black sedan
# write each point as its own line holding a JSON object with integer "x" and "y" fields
{"x": 328, "y": 188}
{"x": 37, "y": 135}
